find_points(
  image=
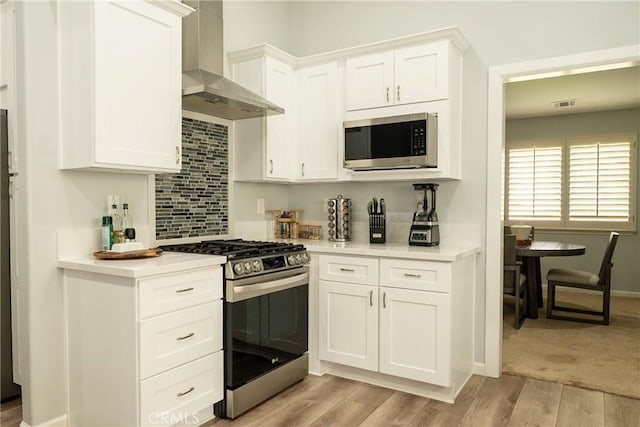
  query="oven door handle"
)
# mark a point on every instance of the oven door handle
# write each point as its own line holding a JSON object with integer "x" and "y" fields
{"x": 241, "y": 293}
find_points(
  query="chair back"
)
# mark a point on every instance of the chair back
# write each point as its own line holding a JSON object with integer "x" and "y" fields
{"x": 608, "y": 255}
{"x": 509, "y": 260}
{"x": 509, "y": 249}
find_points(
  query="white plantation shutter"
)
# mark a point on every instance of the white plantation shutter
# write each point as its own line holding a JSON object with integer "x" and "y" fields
{"x": 586, "y": 183}
{"x": 600, "y": 182}
{"x": 534, "y": 183}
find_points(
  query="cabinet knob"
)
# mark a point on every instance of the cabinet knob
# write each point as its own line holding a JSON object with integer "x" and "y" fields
{"x": 387, "y": 93}
{"x": 302, "y": 168}
{"x": 371, "y": 298}
{"x": 384, "y": 300}
{"x": 270, "y": 166}
{"x": 177, "y": 155}
{"x": 398, "y": 92}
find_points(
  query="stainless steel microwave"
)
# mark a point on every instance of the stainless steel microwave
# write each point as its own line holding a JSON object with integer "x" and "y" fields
{"x": 407, "y": 141}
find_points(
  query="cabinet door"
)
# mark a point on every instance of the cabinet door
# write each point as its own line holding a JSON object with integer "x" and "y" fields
{"x": 369, "y": 81}
{"x": 421, "y": 73}
{"x": 349, "y": 324}
{"x": 318, "y": 123}
{"x": 278, "y": 128}
{"x": 415, "y": 335}
{"x": 137, "y": 85}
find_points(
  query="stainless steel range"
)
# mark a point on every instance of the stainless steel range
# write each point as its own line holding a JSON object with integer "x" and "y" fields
{"x": 266, "y": 291}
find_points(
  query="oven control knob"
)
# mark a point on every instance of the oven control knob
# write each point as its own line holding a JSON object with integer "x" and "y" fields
{"x": 305, "y": 257}
{"x": 332, "y": 218}
{"x": 298, "y": 259}
{"x": 331, "y": 210}
{"x": 331, "y": 232}
{"x": 247, "y": 267}
{"x": 238, "y": 268}
{"x": 331, "y": 203}
{"x": 291, "y": 259}
{"x": 256, "y": 266}
{"x": 331, "y": 225}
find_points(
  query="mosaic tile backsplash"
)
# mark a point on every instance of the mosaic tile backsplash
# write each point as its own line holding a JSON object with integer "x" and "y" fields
{"x": 195, "y": 202}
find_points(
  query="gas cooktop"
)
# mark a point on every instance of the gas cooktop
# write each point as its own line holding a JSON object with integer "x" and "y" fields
{"x": 248, "y": 257}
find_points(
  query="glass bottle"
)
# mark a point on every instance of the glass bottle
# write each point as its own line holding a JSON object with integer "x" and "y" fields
{"x": 116, "y": 218}
{"x": 106, "y": 234}
{"x": 127, "y": 223}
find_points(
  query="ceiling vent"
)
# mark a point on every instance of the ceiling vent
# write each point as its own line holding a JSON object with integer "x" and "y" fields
{"x": 565, "y": 103}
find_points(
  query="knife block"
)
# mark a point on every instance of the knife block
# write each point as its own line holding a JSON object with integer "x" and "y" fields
{"x": 377, "y": 228}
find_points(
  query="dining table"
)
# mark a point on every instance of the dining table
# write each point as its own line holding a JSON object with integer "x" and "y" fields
{"x": 530, "y": 254}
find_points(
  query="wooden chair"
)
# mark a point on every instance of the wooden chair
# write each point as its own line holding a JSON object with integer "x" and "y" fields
{"x": 515, "y": 283}
{"x": 584, "y": 280}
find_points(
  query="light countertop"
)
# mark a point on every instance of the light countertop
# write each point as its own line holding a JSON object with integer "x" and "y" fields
{"x": 450, "y": 251}
{"x": 167, "y": 262}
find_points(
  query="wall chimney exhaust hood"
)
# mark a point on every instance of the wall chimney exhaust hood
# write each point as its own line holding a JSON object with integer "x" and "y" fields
{"x": 204, "y": 89}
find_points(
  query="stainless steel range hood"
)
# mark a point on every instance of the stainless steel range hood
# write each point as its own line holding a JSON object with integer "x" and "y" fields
{"x": 204, "y": 89}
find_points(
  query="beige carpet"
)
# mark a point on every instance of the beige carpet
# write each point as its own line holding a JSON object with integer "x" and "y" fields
{"x": 598, "y": 357}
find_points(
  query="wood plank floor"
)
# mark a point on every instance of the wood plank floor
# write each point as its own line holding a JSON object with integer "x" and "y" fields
{"x": 506, "y": 401}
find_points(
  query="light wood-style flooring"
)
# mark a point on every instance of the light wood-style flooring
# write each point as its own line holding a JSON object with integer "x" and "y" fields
{"x": 484, "y": 402}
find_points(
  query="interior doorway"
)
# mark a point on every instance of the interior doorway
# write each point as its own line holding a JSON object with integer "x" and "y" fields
{"x": 498, "y": 77}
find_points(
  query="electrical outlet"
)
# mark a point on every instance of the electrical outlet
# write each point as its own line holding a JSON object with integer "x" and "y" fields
{"x": 325, "y": 206}
{"x": 260, "y": 207}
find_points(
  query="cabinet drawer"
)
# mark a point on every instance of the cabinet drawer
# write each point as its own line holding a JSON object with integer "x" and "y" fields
{"x": 178, "y": 394}
{"x": 419, "y": 275}
{"x": 356, "y": 270}
{"x": 176, "y": 291}
{"x": 179, "y": 337}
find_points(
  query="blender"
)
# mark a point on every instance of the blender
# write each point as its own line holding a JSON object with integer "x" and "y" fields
{"x": 424, "y": 228}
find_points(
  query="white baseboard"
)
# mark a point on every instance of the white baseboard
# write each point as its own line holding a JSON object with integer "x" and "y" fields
{"x": 60, "y": 421}
{"x": 614, "y": 293}
{"x": 480, "y": 369}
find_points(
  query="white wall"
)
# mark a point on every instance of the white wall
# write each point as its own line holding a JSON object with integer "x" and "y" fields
{"x": 626, "y": 272}
{"x": 501, "y": 32}
{"x": 51, "y": 200}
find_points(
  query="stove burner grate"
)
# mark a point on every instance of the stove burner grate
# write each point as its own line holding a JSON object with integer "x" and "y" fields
{"x": 235, "y": 248}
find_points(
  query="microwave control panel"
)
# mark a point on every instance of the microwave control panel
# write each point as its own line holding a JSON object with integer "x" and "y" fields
{"x": 418, "y": 138}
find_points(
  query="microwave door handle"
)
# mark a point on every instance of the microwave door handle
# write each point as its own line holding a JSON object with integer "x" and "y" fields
{"x": 241, "y": 293}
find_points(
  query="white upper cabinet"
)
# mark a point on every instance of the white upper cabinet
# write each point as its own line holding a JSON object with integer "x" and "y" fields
{"x": 414, "y": 74}
{"x": 318, "y": 123}
{"x": 121, "y": 90}
{"x": 402, "y": 76}
{"x": 369, "y": 81}
{"x": 263, "y": 146}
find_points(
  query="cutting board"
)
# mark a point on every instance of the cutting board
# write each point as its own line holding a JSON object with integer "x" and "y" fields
{"x": 143, "y": 253}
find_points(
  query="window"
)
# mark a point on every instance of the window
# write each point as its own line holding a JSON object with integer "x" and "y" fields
{"x": 577, "y": 183}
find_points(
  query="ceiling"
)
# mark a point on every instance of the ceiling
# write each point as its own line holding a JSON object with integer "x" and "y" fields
{"x": 595, "y": 91}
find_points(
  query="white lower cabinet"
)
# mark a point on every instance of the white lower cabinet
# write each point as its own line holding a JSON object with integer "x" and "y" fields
{"x": 414, "y": 335}
{"x": 144, "y": 350}
{"x": 349, "y": 324}
{"x": 404, "y": 318}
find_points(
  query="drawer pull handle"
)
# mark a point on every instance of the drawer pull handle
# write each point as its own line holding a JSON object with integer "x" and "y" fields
{"x": 412, "y": 275}
{"x": 350, "y": 270}
{"x": 185, "y": 392}
{"x": 179, "y": 291}
{"x": 384, "y": 300}
{"x": 185, "y": 337}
